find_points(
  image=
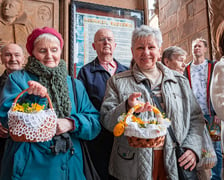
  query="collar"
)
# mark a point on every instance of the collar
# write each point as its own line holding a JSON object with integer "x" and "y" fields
{"x": 112, "y": 63}
{"x": 168, "y": 75}
{"x": 95, "y": 66}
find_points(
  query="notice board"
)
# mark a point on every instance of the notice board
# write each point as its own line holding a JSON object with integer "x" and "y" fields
{"x": 87, "y": 18}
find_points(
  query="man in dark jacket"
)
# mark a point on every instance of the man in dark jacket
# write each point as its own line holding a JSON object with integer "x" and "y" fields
{"x": 12, "y": 58}
{"x": 94, "y": 76}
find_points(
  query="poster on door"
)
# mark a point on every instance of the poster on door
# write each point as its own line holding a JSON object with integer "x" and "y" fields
{"x": 87, "y": 19}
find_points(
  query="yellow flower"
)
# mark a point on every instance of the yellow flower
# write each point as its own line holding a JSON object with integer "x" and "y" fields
{"x": 27, "y": 108}
{"x": 37, "y": 107}
{"x": 18, "y": 107}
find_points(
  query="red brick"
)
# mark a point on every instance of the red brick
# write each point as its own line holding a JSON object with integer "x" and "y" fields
{"x": 200, "y": 20}
{"x": 181, "y": 16}
{"x": 173, "y": 36}
{"x": 199, "y": 5}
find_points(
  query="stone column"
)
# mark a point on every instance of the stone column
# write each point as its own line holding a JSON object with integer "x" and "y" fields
{"x": 216, "y": 15}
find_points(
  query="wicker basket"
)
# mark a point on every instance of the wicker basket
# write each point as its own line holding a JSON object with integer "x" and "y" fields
{"x": 32, "y": 127}
{"x": 136, "y": 140}
{"x": 143, "y": 143}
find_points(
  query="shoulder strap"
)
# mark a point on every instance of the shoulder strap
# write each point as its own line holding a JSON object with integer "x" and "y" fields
{"x": 170, "y": 130}
{"x": 156, "y": 101}
{"x": 153, "y": 96}
{"x": 75, "y": 95}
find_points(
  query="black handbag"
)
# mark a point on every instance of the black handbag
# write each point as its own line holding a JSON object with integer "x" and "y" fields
{"x": 184, "y": 174}
{"x": 88, "y": 167}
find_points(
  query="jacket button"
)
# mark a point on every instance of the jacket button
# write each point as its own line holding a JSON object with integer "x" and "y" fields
{"x": 63, "y": 167}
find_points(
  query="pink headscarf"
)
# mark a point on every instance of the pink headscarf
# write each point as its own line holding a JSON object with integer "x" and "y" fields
{"x": 37, "y": 32}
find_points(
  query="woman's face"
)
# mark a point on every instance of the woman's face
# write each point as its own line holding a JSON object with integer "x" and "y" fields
{"x": 146, "y": 52}
{"x": 48, "y": 52}
{"x": 176, "y": 63}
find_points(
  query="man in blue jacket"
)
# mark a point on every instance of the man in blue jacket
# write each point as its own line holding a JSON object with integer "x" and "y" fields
{"x": 94, "y": 76}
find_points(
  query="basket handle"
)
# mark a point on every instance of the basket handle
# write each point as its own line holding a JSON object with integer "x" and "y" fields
{"x": 20, "y": 94}
{"x": 134, "y": 108}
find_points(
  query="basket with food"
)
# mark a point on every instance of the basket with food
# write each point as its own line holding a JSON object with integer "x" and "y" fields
{"x": 208, "y": 156}
{"x": 30, "y": 122}
{"x": 142, "y": 133}
{"x": 215, "y": 131}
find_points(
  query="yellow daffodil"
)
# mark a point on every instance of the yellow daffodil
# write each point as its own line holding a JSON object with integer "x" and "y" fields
{"x": 28, "y": 108}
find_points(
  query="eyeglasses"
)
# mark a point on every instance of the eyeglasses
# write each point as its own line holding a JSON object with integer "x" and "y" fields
{"x": 110, "y": 40}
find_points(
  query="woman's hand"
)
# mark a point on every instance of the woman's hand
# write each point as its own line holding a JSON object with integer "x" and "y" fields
{"x": 37, "y": 89}
{"x": 188, "y": 159}
{"x": 133, "y": 100}
{"x": 3, "y": 132}
{"x": 64, "y": 125}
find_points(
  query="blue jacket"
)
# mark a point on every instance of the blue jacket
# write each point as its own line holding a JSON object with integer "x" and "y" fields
{"x": 94, "y": 78}
{"x": 25, "y": 161}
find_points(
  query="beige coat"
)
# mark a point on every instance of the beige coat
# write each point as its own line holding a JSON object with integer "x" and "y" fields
{"x": 128, "y": 163}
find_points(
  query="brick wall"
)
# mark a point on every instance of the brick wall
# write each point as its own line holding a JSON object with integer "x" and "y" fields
{"x": 182, "y": 21}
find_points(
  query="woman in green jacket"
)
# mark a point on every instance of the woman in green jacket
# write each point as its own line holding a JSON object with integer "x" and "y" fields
{"x": 61, "y": 157}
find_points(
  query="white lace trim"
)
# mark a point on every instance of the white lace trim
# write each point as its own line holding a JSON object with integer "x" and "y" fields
{"x": 151, "y": 131}
{"x": 37, "y": 127}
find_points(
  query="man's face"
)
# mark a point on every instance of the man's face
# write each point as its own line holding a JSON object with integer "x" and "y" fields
{"x": 12, "y": 57}
{"x": 11, "y": 8}
{"x": 199, "y": 49}
{"x": 104, "y": 43}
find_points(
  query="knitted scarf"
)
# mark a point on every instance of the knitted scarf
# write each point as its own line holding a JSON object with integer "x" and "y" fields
{"x": 55, "y": 80}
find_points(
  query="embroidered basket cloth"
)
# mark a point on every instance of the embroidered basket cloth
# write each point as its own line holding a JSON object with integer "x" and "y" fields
{"x": 150, "y": 133}
{"x": 32, "y": 127}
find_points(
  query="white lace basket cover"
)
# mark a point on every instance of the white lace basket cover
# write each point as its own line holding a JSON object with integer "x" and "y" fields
{"x": 32, "y": 127}
{"x": 151, "y": 131}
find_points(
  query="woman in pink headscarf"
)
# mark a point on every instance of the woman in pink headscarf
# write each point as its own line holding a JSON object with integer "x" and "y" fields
{"x": 45, "y": 73}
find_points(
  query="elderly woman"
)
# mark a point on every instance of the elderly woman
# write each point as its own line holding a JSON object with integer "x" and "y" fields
{"x": 129, "y": 88}
{"x": 173, "y": 57}
{"x": 61, "y": 157}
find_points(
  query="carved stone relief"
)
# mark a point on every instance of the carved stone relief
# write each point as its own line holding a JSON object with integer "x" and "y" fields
{"x": 19, "y": 17}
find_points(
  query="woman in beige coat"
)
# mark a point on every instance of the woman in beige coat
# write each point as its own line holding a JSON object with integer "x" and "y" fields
{"x": 126, "y": 89}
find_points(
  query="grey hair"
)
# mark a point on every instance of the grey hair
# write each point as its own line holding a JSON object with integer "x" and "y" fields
{"x": 144, "y": 31}
{"x": 47, "y": 36}
{"x": 171, "y": 51}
